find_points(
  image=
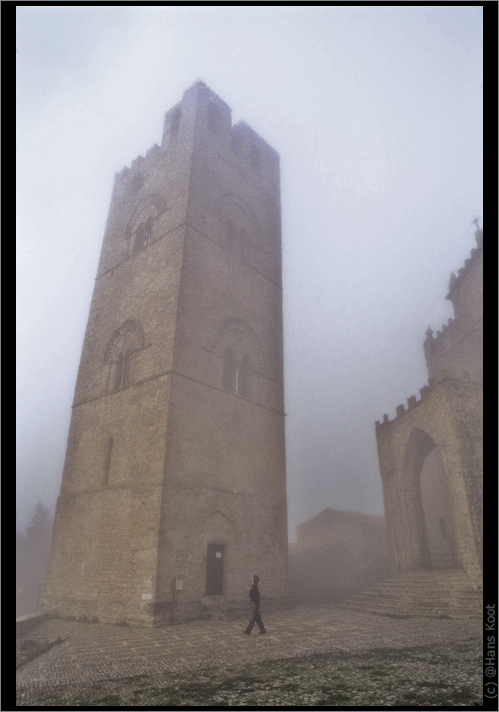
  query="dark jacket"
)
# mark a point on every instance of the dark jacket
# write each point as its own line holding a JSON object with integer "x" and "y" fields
{"x": 254, "y": 594}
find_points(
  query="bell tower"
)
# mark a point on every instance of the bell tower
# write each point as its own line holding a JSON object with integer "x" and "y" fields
{"x": 174, "y": 486}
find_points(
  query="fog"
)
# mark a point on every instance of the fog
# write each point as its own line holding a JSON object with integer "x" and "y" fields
{"x": 377, "y": 115}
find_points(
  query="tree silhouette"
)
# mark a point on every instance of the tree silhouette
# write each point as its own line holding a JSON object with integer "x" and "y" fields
{"x": 32, "y": 555}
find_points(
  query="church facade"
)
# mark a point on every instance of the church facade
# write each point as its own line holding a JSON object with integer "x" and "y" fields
{"x": 431, "y": 454}
{"x": 174, "y": 486}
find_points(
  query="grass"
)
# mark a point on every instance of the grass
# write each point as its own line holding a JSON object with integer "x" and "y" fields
{"x": 433, "y": 675}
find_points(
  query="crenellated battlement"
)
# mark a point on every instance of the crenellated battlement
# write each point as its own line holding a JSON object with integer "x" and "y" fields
{"x": 476, "y": 252}
{"x": 204, "y": 114}
{"x": 456, "y": 347}
{"x": 431, "y": 453}
{"x": 413, "y": 401}
{"x": 238, "y": 144}
{"x": 401, "y": 409}
{"x": 137, "y": 165}
{"x": 192, "y": 243}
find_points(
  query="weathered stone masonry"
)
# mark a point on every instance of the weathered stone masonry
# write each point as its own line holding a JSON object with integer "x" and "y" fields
{"x": 174, "y": 485}
{"x": 430, "y": 455}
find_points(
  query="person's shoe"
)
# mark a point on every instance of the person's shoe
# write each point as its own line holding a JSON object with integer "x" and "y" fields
{"x": 262, "y": 632}
{"x": 247, "y": 632}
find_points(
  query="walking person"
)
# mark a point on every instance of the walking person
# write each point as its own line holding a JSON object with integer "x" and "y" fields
{"x": 254, "y": 594}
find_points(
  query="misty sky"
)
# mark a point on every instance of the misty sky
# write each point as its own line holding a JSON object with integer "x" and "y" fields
{"x": 377, "y": 115}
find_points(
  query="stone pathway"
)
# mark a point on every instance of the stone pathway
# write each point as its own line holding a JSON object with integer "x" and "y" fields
{"x": 92, "y": 652}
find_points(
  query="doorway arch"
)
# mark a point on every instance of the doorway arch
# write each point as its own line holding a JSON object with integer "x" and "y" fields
{"x": 432, "y": 511}
{"x": 437, "y": 510}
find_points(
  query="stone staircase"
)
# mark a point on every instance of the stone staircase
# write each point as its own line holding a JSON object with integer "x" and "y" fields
{"x": 444, "y": 593}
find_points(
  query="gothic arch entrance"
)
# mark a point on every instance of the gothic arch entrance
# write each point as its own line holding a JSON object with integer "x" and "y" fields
{"x": 439, "y": 522}
{"x": 433, "y": 520}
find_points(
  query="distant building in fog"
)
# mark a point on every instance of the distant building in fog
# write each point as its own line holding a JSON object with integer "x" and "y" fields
{"x": 174, "y": 486}
{"x": 338, "y": 554}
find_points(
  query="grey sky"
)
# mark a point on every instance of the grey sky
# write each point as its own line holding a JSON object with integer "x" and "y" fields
{"x": 377, "y": 115}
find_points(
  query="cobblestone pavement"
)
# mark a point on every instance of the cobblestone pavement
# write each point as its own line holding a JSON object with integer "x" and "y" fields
{"x": 91, "y": 652}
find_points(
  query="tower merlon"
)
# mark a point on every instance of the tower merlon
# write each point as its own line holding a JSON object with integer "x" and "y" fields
{"x": 411, "y": 402}
{"x": 239, "y": 143}
{"x": 475, "y": 253}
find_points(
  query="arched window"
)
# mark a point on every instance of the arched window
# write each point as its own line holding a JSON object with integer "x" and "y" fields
{"x": 241, "y": 359}
{"x": 231, "y": 206}
{"x": 236, "y": 374}
{"x": 141, "y": 228}
{"x": 123, "y": 371}
{"x": 139, "y": 237}
{"x": 143, "y": 234}
{"x": 118, "y": 374}
{"x": 121, "y": 354}
{"x": 148, "y": 231}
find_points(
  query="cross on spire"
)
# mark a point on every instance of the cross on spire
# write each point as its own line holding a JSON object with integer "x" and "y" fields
{"x": 475, "y": 222}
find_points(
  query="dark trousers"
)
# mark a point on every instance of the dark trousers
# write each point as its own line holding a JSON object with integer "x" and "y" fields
{"x": 255, "y": 618}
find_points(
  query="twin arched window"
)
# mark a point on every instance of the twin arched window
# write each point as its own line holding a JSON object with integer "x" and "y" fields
{"x": 141, "y": 229}
{"x": 241, "y": 358}
{"x": 121, "y": 352}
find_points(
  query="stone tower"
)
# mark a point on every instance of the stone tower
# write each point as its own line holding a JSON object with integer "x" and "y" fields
{"x": 174, "y": 486}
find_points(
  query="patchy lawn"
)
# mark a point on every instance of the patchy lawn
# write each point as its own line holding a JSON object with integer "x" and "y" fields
{"x": 432, "y": 675}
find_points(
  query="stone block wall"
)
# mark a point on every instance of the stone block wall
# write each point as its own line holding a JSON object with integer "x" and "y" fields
{"x": 166, "y": 453}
